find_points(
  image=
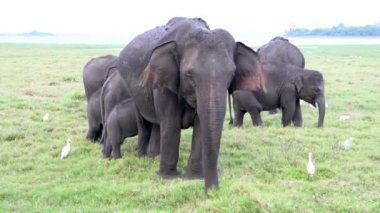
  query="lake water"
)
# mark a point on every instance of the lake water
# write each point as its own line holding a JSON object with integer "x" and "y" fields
{"x": 124, "y": 39}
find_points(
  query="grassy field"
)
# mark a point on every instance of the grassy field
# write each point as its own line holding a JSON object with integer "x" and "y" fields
{"x": 261, "y": 169}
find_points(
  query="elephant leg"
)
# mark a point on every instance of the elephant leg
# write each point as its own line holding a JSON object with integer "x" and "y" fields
{"x": 99, "y": 133}
{"x": 154, "y": 142}
{"x": 252, "y": 105}
{"x": 288, "y": 105}
{"x": 106, "y": 149}
{"x": 116, "y": 153}
{"x": 239, "y": 114}
{"x": 256, "y": 117}
{"x": 95, "y": 130}
{"x": 116, "y": 140}
{"x": 297, "y": 118}
{"x": 239, "y": 117}
{"x": 94, "y": 126}
{"x": 194, "y": 165}
{"x": 144, "y": 129}
{"x": 169, "y": 113}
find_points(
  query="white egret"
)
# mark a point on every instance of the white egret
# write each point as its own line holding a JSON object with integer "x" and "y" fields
{"x": 66, "y": 149}
{"x": 310, "y": 166}
{"x": 45, "y": 117}
{"x": 344, "y": 117}
{"x": 347, "y": 143}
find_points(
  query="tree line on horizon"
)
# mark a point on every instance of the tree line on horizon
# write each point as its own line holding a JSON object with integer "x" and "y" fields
{"x": 339, "y": 30}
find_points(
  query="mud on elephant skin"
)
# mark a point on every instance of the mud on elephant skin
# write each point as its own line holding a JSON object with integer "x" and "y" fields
{"x": 170, "y": 69}
{"x": 95, "y": 73}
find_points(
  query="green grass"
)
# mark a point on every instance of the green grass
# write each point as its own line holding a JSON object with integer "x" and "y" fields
{"x": 261, "y": 169}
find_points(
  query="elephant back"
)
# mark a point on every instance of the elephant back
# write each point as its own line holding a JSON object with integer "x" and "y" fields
{"x": 96, "y": 71}
{"x": 279, "y": 49}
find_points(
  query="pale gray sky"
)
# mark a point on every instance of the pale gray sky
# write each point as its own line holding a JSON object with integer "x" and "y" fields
{"x": 130, "y": 17}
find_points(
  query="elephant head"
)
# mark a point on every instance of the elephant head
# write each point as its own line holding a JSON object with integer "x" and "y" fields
{"x": 310, "y": 88}
{"x": 199, "y": 71}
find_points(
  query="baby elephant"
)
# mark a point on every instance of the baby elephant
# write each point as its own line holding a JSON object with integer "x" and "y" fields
{"x": 281, "y": 86}
{"x": 120, "y": 124}
{"x": 119, "y": 117}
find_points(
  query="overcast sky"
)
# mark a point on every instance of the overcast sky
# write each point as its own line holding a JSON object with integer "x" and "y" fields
{"x": 130, "y": 17}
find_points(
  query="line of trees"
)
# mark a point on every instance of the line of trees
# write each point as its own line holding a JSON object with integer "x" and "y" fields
{"x": 339, "y": 30}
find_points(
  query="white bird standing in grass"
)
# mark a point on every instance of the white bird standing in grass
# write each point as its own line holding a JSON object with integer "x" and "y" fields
{"x": 45, "y": 117}
{"x": 310, "y": 166}
{"x": 344, "y": 117}
{"x": 66, "y": 149}
{"x": 347, "y": 144}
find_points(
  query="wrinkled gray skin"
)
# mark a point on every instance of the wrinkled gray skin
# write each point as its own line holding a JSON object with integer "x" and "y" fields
{"x": 95, "y": 73}
{"x": 280, "y": 50}
{"x": 283, "y": 86}
{"x": 178, "y": 76}
{"x": 119, "y": 118}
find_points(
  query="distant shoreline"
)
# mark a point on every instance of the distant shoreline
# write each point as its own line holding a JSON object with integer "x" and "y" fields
{"x": 250, "y": 40}
{"x": 33, "y": 33}
{"x": 339, "y": 30}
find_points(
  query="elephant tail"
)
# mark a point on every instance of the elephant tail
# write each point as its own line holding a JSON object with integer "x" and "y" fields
{"x": 230, "y": 109}
{"x": 103, "y": 116}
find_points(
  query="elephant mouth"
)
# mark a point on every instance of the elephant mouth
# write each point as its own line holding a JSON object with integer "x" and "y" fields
{"x": 191, "y": 101}
{"x": 310, "y": 101}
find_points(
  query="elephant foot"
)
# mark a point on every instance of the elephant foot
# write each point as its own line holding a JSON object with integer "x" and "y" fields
{"x": 153, "y": 154}
{"x": 274, "y": 111}
{"x": 105, "y": 157}
{"x": 191, "y": 175}
{"x": 116, "y": 157}
{"x": 238, "y": 125}
{"x": 169, "y": 174}
{"x": 142, "y": 154}
{"x": 153, "y": 151}
{"x": 116, "y": 154}
{"x": 90, "y": 138}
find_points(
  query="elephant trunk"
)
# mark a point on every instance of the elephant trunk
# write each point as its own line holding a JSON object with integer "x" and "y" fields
{"x": 211, "y": 109}
{"x": 321, "y": 103}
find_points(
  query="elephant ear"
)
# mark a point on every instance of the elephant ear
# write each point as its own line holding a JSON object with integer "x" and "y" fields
{"x": 249, "y": 74}
{"x": 162, "y": 70}
{"x": 110, "y": 68}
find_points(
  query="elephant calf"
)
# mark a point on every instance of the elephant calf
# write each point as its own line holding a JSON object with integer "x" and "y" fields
{"x": 120, "y": 123}
{"x": 282, "y": 86}
{"x": 95, "y": 73}
{"x": 119, "y": 118}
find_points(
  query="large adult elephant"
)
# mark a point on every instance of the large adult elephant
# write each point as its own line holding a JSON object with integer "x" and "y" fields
{"x": 279, "y": 49}
{"x": 182, "y": 69}
{"x": 284, "y": 85}
{"x": 95, "y": 73}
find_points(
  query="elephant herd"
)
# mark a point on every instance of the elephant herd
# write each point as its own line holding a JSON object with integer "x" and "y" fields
{"x": 178, "y": 76}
